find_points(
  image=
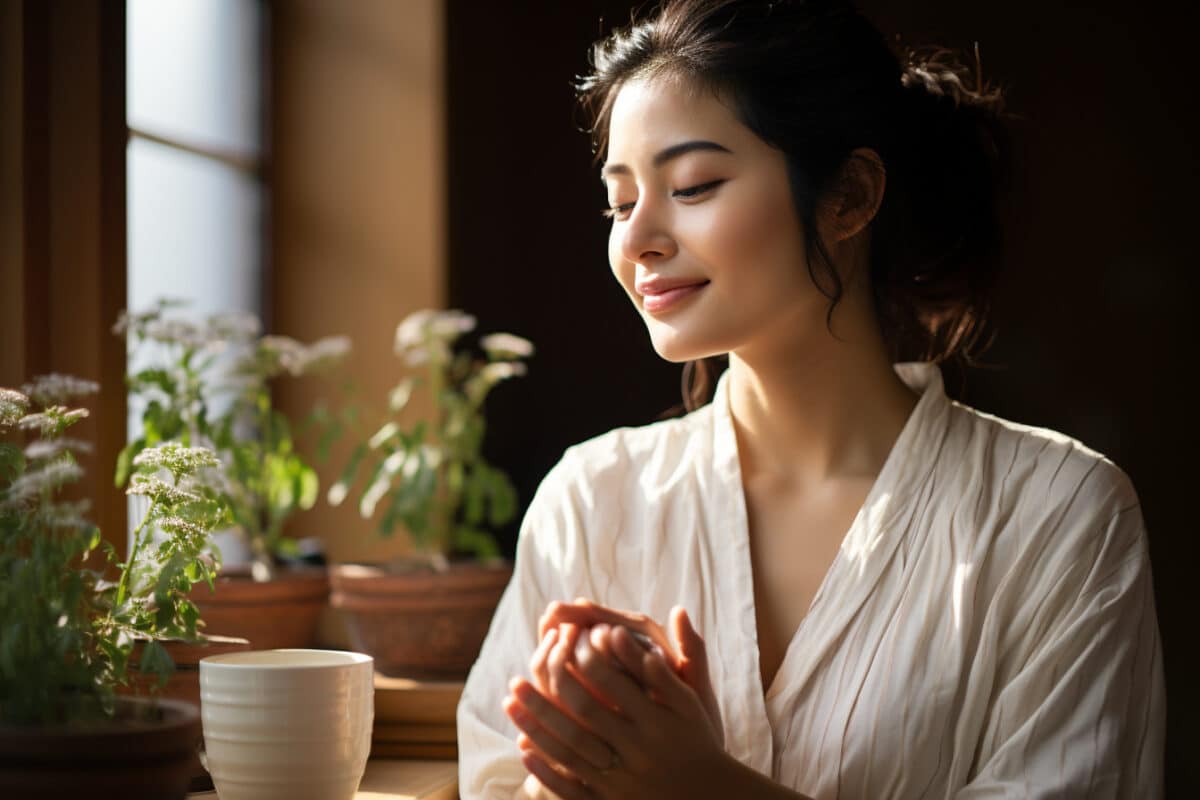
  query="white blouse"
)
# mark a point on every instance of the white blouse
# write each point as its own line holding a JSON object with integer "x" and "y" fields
{"x": 986, "y": 630}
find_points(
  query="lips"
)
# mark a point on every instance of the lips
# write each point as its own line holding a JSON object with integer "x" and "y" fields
{"x": 659, "y": 295}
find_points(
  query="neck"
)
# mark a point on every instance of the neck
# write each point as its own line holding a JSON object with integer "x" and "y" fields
{"x": 820, "y": 409}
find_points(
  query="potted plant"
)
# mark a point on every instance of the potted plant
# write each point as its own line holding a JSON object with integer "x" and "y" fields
{"x": 426, "y": 615}
{"x": 67, "y": 634}
{"x": 208, "y": 381}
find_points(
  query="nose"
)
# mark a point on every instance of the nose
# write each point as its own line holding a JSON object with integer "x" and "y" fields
{"x": 646, "y": 237}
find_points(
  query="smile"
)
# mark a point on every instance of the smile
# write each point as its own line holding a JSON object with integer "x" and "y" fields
{"x": 661, "y": 302}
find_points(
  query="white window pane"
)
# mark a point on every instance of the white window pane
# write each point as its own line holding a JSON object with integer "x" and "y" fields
{"x": 194, "y": 71}
{"x": 195, "y": 231}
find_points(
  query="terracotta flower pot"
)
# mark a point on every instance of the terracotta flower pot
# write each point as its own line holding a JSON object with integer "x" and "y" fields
{"x": 129, "y": 758}
{"x": 282, "y": 612}
{"x": 184, "y": 683}
{"x": 426, "y": 625}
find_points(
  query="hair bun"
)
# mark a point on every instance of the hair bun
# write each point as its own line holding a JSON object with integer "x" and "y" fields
{"x": 939, "y": 72}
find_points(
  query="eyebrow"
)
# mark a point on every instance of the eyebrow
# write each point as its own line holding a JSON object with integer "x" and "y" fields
{"x": 665, "y": 155}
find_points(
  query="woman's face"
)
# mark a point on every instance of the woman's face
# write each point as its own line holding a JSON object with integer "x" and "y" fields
{"x": 705, "y": 239}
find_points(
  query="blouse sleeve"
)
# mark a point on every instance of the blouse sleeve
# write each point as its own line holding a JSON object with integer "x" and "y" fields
{"x": 1081, "y": 714}
{"x": 546, "y": 568}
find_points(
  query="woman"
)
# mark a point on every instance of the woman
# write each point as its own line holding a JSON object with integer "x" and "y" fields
{"x": 888, "y": 594}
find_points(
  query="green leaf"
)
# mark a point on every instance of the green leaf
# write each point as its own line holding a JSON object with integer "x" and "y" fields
{"x": 337, "y": 492}
{"x": 476, "y": 491}
{"x": 125, "y": 461}
{"x": 155, "y": 659}
{"x": 309, "y": 488}
{"x": 12, "y": 461}
{"x": 503, "y": 495}
{"x": 287, "y": 547}
{"x": 476, "y": 541}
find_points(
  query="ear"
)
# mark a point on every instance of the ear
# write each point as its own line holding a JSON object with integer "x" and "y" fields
{"x": 853, "y": 200}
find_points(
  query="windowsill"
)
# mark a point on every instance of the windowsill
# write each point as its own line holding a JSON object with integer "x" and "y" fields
{"x": 396, "y": 779}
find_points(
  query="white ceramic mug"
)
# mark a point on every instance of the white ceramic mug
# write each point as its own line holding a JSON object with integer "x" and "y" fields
{"x": 287, "y": 724}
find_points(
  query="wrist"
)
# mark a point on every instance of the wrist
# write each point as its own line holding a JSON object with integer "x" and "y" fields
{"x": 725, "y": 776}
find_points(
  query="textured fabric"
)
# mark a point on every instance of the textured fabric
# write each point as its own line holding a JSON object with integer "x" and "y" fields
{"x": 987, "y": 628}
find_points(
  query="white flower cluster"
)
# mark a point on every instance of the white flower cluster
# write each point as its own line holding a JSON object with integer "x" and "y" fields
{"x": 53, "y": 419}
{"x": 159, "y": 490}
{"x": 177, "y": 524}
{"x": 65, "y": 515}
{"x": 45, "y": 478}
{"x": 427, "y": 334}
{"x": 297, "y": 359}
{"x": 55, "y": 389}
{"x": 176, "y": 459}
{"x": 13, "y": 406}
{"x": 501, "y": 370}
{"x": 45, "y": 449}
{"x": 187, "y": 334}
{"x": 235, "y": 325}
{"x": 506, "y": 345}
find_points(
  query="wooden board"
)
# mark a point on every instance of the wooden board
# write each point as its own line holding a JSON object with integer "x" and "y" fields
{"x": 389, "y": 779}
{"x": 427, "y": 732}
{"x": 414, "y": 750}
{"x": 412, "y": 701}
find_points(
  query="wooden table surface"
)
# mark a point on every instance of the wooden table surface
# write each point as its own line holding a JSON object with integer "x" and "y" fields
{"x": 397, "y": 779}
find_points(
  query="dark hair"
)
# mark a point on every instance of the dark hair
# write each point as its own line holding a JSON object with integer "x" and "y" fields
{"x": 816, "y": 80}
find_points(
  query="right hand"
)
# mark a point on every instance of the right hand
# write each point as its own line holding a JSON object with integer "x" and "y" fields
{"x": 609, "y": 632}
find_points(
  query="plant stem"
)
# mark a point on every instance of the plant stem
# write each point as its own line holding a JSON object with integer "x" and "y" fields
{"x": 437, "y": 383}
{"x": 123, "y": 584}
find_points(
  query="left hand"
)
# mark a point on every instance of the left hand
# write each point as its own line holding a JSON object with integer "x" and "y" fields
{"x": 612, "y": 719}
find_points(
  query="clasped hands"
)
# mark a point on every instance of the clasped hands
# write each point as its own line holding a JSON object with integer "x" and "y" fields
{"x": 614, "y": 709}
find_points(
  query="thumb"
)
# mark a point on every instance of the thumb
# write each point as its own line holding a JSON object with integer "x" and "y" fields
{"x": 694, "y": 669}
{"x": 690, "y": 644}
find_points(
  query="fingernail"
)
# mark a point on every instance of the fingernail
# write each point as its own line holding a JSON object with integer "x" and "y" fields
{"x": 597, "y": 635}
{"x": 582, "y": 648}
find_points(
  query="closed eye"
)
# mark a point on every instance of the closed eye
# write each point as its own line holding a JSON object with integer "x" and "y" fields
{"x": 612, "y": 212}
{"x": 696, "y": 191}
{"x": 689, "y": 192}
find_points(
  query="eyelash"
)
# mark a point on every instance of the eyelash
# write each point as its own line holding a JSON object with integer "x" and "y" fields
{"x": 691, "y": 191}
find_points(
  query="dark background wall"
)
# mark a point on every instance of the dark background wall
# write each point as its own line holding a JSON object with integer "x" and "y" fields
{"x": 1095, "y": 338}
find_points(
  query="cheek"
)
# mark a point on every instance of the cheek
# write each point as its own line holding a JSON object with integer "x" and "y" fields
{"x": 759, "y": 230}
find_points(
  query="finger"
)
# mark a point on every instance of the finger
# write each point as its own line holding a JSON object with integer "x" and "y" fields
{"x": 560, "y": 653}
{"x": 562, "y": 786}
{"x": 672, "y": 690}
{"x": 597, "y": 636}
{"x": 548, "y": 746}
{"x": 628, "y": 652}
{"x": 582, "y": 705}
{"x": 694, "y": 669}
{"x": 609, "y": 683}
{"x": 586, "y": 614}
{"x": 531, "y": 712}
{"x": 550, "y": 617}
{"x": 537, "y": 663}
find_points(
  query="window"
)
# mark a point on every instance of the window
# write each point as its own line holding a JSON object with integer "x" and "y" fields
{"x": 196, "y": 201}
{"x": 195, "y": 193}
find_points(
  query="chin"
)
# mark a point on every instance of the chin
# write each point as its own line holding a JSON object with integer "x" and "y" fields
{"x": 679, "y": 346}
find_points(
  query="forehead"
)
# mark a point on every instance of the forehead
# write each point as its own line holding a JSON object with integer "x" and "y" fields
{"x": 652, "y": 113}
